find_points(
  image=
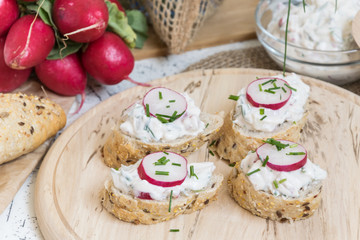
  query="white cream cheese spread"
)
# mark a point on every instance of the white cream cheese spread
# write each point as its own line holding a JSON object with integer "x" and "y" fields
{"x": 269, "y": 120}
{"x": 127, "y": 180}
{"x": 289, "y": 184}
{"x": 324, "y": 25}
{"x": 150, "y": 129}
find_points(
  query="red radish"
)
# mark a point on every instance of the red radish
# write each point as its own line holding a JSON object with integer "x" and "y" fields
{"x": 290, "y": 157}
{"x": 109, "y": 60}
{"x": 28, "y": 42}
{"x": 165, "y": 103}
{"x": 118, "y": 5}
{"x": 10, "y": 79}
{"x": 81, "y": 20}
{"x": 163, "y": 169}
{"x": 9, "y": 12}
{"x": 145, "y": 195}
{"x": 64, "y": 76}
{"x": 272, "y": 93}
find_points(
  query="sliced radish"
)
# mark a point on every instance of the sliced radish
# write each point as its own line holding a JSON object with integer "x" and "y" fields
{"x": 165, "y": 104}
{"x": 164, "y": 169}
{"x": 272, "y": 93}
{"x": 144, "y": 195}
{"x": 290, "y": 158}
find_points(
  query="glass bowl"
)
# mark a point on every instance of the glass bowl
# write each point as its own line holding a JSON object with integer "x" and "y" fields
{"x": 337, "y": 67}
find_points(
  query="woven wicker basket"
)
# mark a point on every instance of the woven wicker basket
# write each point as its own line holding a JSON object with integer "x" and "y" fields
{"x": 176, "y": 21}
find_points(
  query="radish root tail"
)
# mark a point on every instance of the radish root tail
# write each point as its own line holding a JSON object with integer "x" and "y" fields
{"x": 138, "y": 83}
{"x": 81, "y": 104}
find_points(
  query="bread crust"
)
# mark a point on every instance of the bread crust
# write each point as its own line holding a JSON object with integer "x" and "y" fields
{"x": 26, "y": 122}
{"x": 122, "y": 149}
{"x": 268, "y": 206}
{"x": 233, "y": 143}
{"x": 140, "y": 211}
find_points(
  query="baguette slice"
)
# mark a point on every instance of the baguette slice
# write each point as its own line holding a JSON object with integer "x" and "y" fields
{"x": 26, "y": 122}
{"x": 123, "y": 149}
{"x": 234, "y": 141}
{"x": 268, "y": 206}
{"x": 135, "y": 210}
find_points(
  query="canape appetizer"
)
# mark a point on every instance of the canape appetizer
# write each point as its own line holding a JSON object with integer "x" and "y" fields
{"x": 278, "y": 182}
{"x": 271, "y": 107}
{"x": 165, "y": 120}
{"x": 159, "y": 187}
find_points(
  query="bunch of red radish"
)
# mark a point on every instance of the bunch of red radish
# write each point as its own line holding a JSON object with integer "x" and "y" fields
{"x": 26, "y": 41}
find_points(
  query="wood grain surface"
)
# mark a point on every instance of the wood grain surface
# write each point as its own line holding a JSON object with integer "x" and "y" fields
{"x": 13, "y": 174}
{"x": 233, "y": 21}
{"x": 67, "y": 200}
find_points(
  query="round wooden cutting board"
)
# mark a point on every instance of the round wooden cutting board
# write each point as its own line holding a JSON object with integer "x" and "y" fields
{"x": 67, "y": 200}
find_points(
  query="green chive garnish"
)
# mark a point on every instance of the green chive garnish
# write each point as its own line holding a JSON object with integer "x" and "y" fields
{"x": 283, "y": 89}
{"x": 263, "y": 118}
{"x": 290, "y": 87}
{"x": 149, "y": 130}
{"x": 171, "y": 101}
{"x": 265, "y": 161}
{"x": 234, "y": 97}
{"x": 274, "y": 84}
{"x": 274, "y": 88}
{"x": 171, "y": 193}
{"x": 166, "y": 153}
{"x": 192, "y": 173}
{"x": 282, "y": 180}
{"x": 271, "y": 80}
{"x": 275, "y": 184}
{"x": 260, "y": 88}
{"x": 296, "y": 153}
{"x": 262, "y": 111}
{"x": 117, "y": 169}
{"x": 211, "y": 153}
{"x": 147, "y": 110}
{"x": 250, "y": 173}
{"x": 161, "y": 161}
{"x": 294, "y": 145}
{"x": 212, "y": 143}
{"x": 206, "y": 125}
{"x": 160, "y": 95}
{"x": 269, "y": 91}
{"x": 168, "y": 106}
{"x": 232, "y": 164}
{"x": 174, "y": 230}
{"x": 162, "y": 173}
{"x": 278, "y": 144}
{"x": 161, "y": 119}
{"x": 176, "y": 164}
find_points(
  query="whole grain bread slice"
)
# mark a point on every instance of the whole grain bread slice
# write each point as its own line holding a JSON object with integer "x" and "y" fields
{"x": 26, "y": 122}
{"x": 272, "y": 207}
{"x": 235, "y": 140}
{"x": 123, "y": 149}
{"x": 135, "y": 210}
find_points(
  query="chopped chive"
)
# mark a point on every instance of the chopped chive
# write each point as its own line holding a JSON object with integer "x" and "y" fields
{"x": 276, "y": 184}
{"x": 192, "y": 173}
{"x": 212, "y": 143}
{"x": 280, "y": 96}
{"x": 161, "y": 119}
{"x": 263, "y": 118}
{"x": 294, "y": 122}
{"x": 171, "y": 101}
{"x": 294, "y": 145}
{"x": 168, "y": 106}
{"x": 174, "y": 230}
{"x": 117, "y": 169}
{"x": 250, "y": 173}
{"x": 269, "y": 91}
{"x": 260, "y": 88}
{"x": 211, "y": 153}
{"x": 149, "y": 130}
{"x": 282, "y": 180}
{"x": 271, "y": 80}
{"x": 162, "y": 173}
{"x": 232, "y": 164}
{"x": 161, "y": 161}
{"x": 234, "y": 97}
{"x": 171, "y": 193}
{"x": 166, "y": 153}
{"x": 160, "y": 96}
{"x": 274, "y": 84}
{"x": 262, "y": 111}
{"x": 176, "y": 164}
{"x": 147, "y": 110}
{"x": 265, "y": 161}
{"x": 290, "y": 87}
{"x": 283, "y": 89}
{"x": 274, "y": 88}
{"x": 206, "y": 125}
{"x": 296, "y": 153}
{"x": 275, "y": 143}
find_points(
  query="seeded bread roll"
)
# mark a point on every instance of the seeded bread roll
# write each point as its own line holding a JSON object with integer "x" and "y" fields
{"x": 123, "y": 149}
{"x": 272, "y": 207}
{"x": 135, "y": 210}
{"x": 234, "y": 141}
{"x": 25, "y": 123}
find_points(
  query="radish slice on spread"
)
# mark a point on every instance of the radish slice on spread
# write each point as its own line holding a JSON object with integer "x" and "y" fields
{"x": 165, "y": 104}
{"x": 270, "y": 93}
{"x": 164, "y": 169}
{"x": 290, "y": 157}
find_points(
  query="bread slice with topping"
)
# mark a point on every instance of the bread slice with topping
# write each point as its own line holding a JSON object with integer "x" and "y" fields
{"x": 121, "y": 148}
{"x": 140, "y": 211}
{"x": 26, "y": 122}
